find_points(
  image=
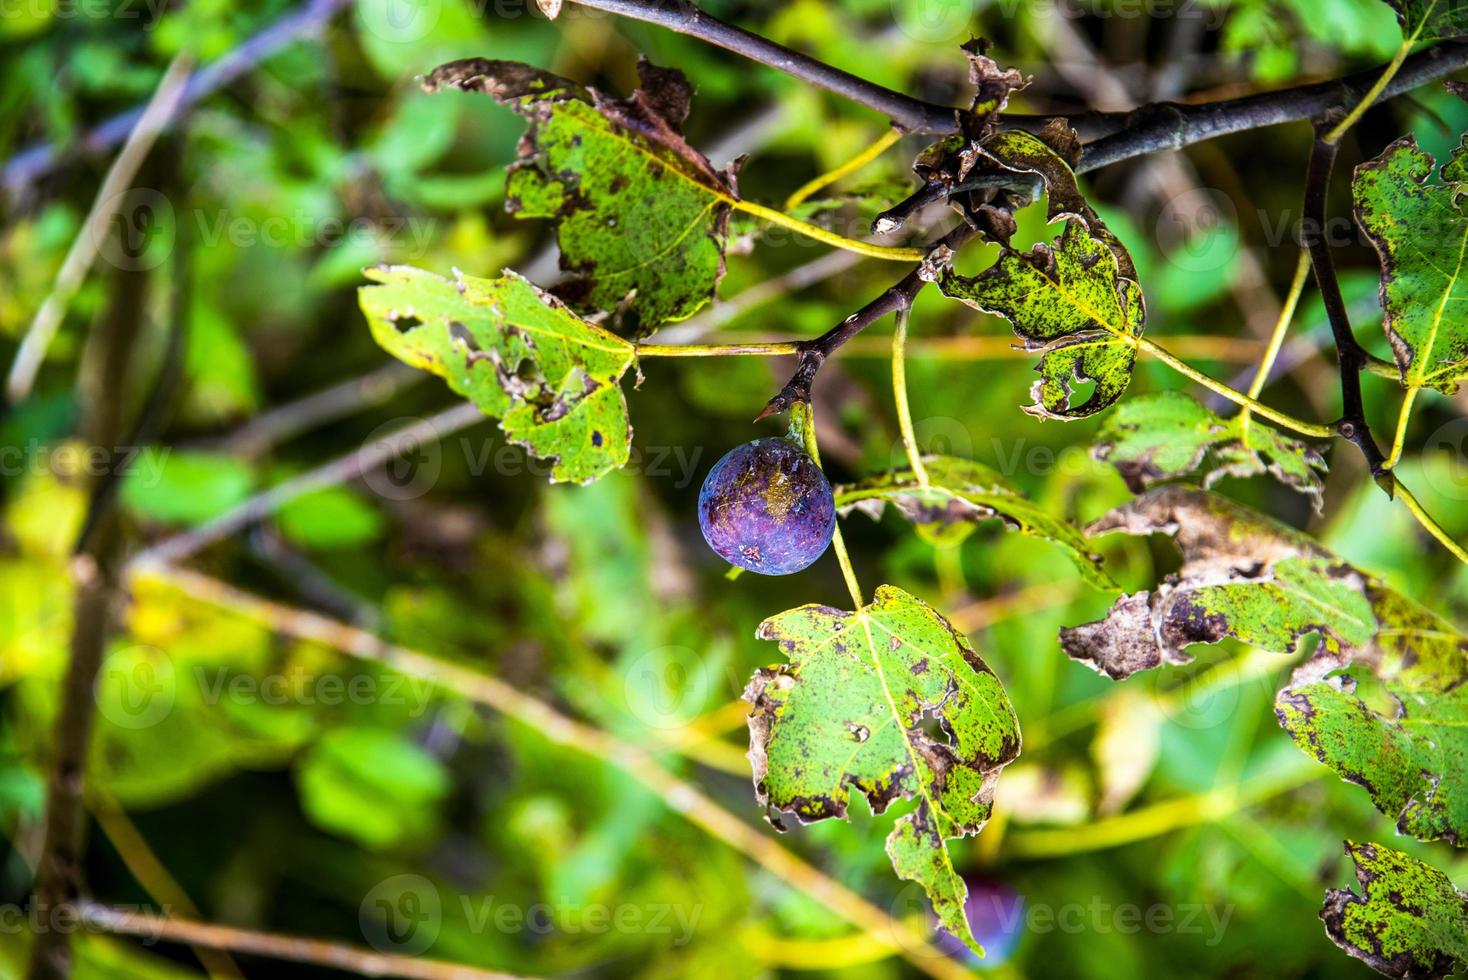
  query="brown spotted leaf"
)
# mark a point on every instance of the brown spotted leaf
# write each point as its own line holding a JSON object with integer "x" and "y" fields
{"x": 1420, "y": 231}
{"x": 550, "y": 377}
{"x": 1408, "y": 920}
{"x": 1243, "y": 575}
{"x": 892, "y": 703}
{"x": 1392, "y": 717}
{"x": 1069, "y": 302}
{"x": 641, "y": 216}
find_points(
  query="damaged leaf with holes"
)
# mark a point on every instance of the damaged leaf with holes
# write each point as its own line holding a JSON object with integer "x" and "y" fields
{"x": 1420, "y": 232}
{"x": 1408, "y": 921}
{"x": 892, "y": 703}
{"x": 551, "y": 378}
{"x": 1069, "y": 302}
{"x": 1244, "y": 575}
{"x": 1167, "y": 436}
{"x": 1392, "y": 717}
{"x": 962, "y": 494}
{"x": 641, "y": 216}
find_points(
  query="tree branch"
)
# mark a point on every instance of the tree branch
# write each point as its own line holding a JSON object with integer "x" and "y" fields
{"x": 96, "y": 573}
{"x": 813, "y": 353}
{"x": 1172, "y": 125}
{"x": 1350, "y": 355}
{"x": 907, "y": 113}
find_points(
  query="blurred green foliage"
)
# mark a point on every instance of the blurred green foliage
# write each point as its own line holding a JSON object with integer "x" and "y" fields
{"x": 289, "y": 787}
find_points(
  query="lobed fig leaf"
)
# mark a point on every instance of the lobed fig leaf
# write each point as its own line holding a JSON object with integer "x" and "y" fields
{"x": 641, "y": 216}
{"x": 519, "y": 354}
{"x": 1068, "y": 301}
{"x": 891, "y": 702}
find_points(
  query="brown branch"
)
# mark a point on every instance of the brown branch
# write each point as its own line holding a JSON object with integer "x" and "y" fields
{"x": 294, "y": 949}
{"x": 683, "y": 17}
{"x": 1350, "y": 355}
{"x": 1173, "y": 125}
{"x": 813, "y": 353}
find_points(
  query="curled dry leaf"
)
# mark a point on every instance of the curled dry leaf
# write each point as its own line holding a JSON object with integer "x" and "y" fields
{"x": 1243, "y": 575}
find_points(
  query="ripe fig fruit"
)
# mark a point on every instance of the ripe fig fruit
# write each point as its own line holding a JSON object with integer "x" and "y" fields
{"x": 766, "y": 506}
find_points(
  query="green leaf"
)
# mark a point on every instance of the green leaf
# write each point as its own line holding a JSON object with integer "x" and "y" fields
{"x": 1069, "y": 302}
{"x": 1410, "y": 750}
{"x": 518, "y": 354}
{"x": 1167, "y": 436}
{"x": 1408, "y": 920}
{"x": 1431, "y": 20}
{"x": 960, "y": 495}
{"x": 183, "y": 487}
{"x": 1243, "y": 576}
{"x": 372, "y": 785}
{"x": 641, "y": 216}
{"x": 1421, "y": 236}
{"x": 854, "y": 709}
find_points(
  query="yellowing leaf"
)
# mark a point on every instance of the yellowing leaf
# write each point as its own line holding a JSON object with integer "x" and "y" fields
{"x": 552, "y": 378}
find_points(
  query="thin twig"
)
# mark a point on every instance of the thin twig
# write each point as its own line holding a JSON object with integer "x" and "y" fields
{"x": 680, "y": 796}
{"x": 1350, "y": 355}
{"x": 276, "y": 425}
{"x": 96, "y": 574}
{"x": 1159, "y": 818}
{"x": 94, "y": 229}
{"x": 152, "y": 875}
{"x": 881, "y": 145}
{"x": 813, "y": 353}
{"x": 1276, "y": 338}
{"x": 292, "y": 949}
{"x": 899, "y": 397}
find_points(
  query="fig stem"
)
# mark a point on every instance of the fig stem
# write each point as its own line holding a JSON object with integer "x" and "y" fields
{"x": 804, "y": 415}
